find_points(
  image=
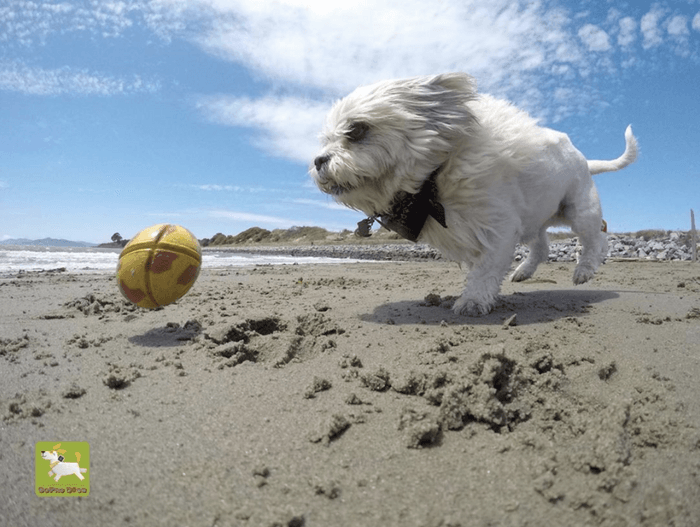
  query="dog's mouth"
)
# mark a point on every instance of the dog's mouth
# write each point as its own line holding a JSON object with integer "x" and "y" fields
{"x": 338, "y": 190}
{"x": 344, "y": 184}
{"x": 335, "y": 188}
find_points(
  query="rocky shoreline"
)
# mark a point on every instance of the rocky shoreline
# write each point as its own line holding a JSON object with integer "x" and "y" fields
{"x": 673, "y": 246}
{"x": 395, "y": 251}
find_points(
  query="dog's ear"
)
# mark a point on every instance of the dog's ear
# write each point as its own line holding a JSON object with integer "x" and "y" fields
{"x": 442, "y": 101}
{"x": 455, "y": 82}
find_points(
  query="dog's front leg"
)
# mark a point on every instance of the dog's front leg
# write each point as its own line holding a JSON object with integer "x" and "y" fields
{"x": 484, "y": 280}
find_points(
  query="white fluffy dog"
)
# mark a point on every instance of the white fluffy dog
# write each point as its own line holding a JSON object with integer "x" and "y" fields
{"x": 469, "y": 174}
{"x": 60, "y": 468}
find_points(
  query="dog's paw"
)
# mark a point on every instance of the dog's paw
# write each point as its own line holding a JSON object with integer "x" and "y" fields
{"x": 583, "y": 274}
{"x": 521, "y": 274}
{"x": 472, "y": 308}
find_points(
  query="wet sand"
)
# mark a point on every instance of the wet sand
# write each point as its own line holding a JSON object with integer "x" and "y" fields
{"x": 351, "y": 395}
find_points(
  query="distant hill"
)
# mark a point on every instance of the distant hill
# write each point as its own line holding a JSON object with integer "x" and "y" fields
{"x": 300, "y": 236}
{"x": 46, "y": 242}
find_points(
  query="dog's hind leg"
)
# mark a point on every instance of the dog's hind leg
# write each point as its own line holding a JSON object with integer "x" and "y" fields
{"x": 592, "y": 255}
{"x": 539, "y": 252}
{"x": 587, "y": 224}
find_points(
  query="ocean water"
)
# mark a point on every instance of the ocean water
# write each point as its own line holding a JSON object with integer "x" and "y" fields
{"x": 14, "y": 259}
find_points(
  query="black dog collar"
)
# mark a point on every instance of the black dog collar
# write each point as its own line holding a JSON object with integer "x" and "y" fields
{"x": 409, "y": 212}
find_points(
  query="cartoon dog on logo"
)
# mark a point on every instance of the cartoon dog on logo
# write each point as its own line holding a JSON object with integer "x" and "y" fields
{"x": 58, "y": 467}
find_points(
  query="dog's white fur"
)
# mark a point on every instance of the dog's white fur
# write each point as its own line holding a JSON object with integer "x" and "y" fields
{"x": 503, "y": 178}
{"x": 61, "y": 468}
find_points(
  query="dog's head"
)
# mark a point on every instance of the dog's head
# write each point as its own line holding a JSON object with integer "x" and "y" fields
{"x": 390, "y": 136}
{"x": 50, "y": 456}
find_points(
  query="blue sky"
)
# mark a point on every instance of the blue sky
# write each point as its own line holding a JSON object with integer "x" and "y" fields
{"x": 115, "y": 115}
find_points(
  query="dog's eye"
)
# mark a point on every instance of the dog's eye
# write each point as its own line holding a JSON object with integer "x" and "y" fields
{"x": 357, "y": 131}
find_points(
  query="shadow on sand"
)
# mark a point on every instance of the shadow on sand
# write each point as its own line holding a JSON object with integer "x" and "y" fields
{"x": 531, "y": 308}
{"x": 168, "y": 336}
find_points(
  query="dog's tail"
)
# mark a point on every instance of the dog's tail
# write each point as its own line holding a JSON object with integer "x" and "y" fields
{"x": 630, "y": 155}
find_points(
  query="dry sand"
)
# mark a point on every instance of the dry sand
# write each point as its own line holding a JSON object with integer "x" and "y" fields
{"x": 350, "y": 395}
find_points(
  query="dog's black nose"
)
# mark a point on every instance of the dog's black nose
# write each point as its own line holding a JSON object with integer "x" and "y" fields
{"x": 321, "y": 160}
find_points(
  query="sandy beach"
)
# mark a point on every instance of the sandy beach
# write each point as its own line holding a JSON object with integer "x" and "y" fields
{"x": 351, "y": 395}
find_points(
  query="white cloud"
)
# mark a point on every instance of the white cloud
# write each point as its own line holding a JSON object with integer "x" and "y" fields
{"x": 650, "y": 28}
{"x": 522, "y": 50}
{"x": 37, "y": 81}
{"x": 628, "y": 31}
{"x": 250, "y": 218}
{"x": 343, "y": 44}
{"x": 289, "y": 125}
{"x": 332, "y": 205}
{"x": 328, "y": 48}
{"x": 167, "y": 17}
{"x": 31, "y": 22}
{"x": 677, "y": 26}
{"x": 519, "y": 49}
{"x": 613, "y": 16}
{"x": 164, "y": 215}
{"x": 594, "y": 38}
{"x": 230, "y": 188}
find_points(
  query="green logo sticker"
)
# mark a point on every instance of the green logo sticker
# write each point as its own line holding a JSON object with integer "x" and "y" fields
{"x": 62, "y": 468}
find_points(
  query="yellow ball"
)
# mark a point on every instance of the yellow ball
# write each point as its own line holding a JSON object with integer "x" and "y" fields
{"x": 159, "y": 265}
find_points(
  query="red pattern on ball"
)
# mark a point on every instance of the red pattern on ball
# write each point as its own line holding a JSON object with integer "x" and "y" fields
{"x": 162, "y": 262}
{"x": 135, "y": 295}
{"x": 188, "y": 275}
